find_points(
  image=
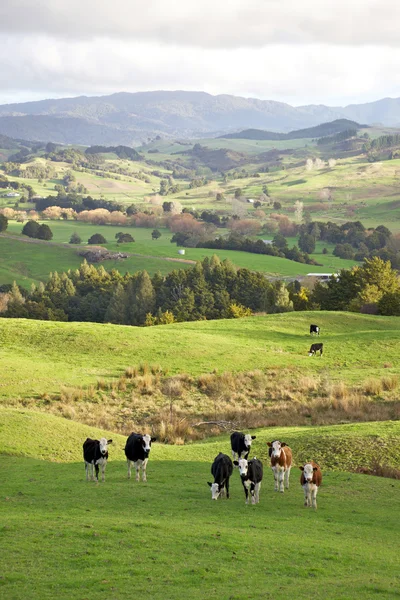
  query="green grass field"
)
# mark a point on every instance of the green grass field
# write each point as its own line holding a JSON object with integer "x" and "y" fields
{"x": 38, "y": 357}
{"x": 70, "y": 539}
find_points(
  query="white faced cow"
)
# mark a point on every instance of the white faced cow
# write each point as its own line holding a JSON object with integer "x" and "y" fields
{"x": 221, "y": 469}
{"x": 137, "y": 451}
{"x": 310, "y": 479}
{"x": 251, "y": 474}
{"x": 95, "y": 453}
{"x": 281, "y": 463}
{"x": 241, "y": 444}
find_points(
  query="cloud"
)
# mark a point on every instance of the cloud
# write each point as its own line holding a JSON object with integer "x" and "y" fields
{"x": 210, "y": 23}
{"x": 295, "y": 74}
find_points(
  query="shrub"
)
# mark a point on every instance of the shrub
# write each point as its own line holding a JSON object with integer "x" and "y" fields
{"x": 3, "y": 223}
{"x": 97, "y": 238}
{"x": 31, "y": 229}
{"x": 44, "y": 232}
{"x": 75, "y": 239}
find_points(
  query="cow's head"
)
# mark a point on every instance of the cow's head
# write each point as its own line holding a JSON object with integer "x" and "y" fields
{"x": 243, "y": 465}
{"x": 216, "y": 490}
{"x": 308, "y": 472}
{"x": 248, "y": 440}
{"x": 104, "y": 445}
{"x": 276, "y": 448}
{"x": 146, "y": 444}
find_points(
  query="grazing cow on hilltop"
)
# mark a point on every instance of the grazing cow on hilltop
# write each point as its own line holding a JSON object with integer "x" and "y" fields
{"x": 314, "y": 329}
{"x": 251, "y": 474}
{"x": 95, "y": 453}
{"x": 137, "y": 450}
{"x": 316, "y": 348}
{"x": 221, "y": 469}
{"x": 281, "y": 463}
{"x": 241, "y": 444}
{"x": 310, "y": 479}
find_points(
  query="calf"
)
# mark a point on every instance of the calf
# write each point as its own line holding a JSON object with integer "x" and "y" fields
{"x": 316, "y": 348}
{"x": 281, "y": 463}
{"x": 137, "y": 450}
{"x": 95, "y": 453}
{"x": 241, "y": 444}
{"x": 251, "y": 474}
{"x": 314, "y": 329}
{"x": 310, "y": 479}
{"x": 221, "y": 469}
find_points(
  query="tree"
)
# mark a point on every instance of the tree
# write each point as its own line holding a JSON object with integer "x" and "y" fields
{"x": 155, "y": 234}
{"x": 124, "y": 238}
{"x": 97, "y": 238}
{"x": 279, "y": 241}
{"x": 238, "y": 193}
{"x": 219, "y": 197}
{"x": 117, "y": 310}
{"x": 307, "y": 243}
{"x": 44, "y": 232}
{"x": 141, "y": 298}
{"x": 3, "y": 223}
{"x": 31, "y": 229}
{"x": 75, "y": 239}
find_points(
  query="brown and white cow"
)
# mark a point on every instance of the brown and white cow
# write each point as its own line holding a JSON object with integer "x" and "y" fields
{"x": 281, "y": 463}
{"x": 310, "y": 479}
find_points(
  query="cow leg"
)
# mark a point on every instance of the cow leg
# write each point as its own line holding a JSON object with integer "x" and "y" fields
{"x": 137, "y": 467}
{"x": 129, "y": 468}
{"x": 252, "y": 492}
{"x": 257, "y": 492}
{"x": 87, "y": 470}
{"x": 103, "y": 470}
{"x": 287, "y": 474}
{"x": 246, "y": 492}
{"x": 96, "y": 466}
{"x": 227, "y": 488}
{"x": 144, "y": 465}
{"x": 275, "y": 472}
{"x": 305, "y": 495}
{"x": 314, "y": 497}
{"x": 281, "y": 475}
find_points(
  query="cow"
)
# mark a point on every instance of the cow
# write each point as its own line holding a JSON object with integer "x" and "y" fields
{"x": 95, "y": 453}
{"x": 221, "y": 469}
{"x": 316, "y": 348}
{"x": 251, "y": 474}
{"x": 314, "y": 329}
{"x": 241, "y": 444}
{"x": 310, "y": 480}
{"x": 281, "y": 463}
{"x": 137, "y": 450}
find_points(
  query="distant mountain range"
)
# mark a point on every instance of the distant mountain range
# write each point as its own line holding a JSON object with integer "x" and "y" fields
{"x": 132, "y": 119}
{"x": 325, "y": 129}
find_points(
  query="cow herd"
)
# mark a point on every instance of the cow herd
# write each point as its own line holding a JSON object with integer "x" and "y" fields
{"x": 137, "y": 451}
{"x": 251, "y": 471}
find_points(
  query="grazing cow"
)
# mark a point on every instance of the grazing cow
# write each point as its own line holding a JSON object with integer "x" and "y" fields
{"x": 281, "y": 463}
{"x": 316, "y": 348}
{"x": 310, "y": 479}
{"x": 314, "y": 329}
{"x": 241, "y": 444}
{"x": 221, "y": 469}
{"x": 95, "y": 453}
{"x": 137, "y": 450}
{"x": 251, "y": 474}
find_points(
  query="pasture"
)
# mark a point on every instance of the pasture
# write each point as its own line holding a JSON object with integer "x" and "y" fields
{"x": 38, "y": 357}
{"x": 70, "y": 539}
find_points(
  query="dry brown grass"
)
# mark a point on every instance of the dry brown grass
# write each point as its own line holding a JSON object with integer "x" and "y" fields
{"x": 373, "y": 387}
{"x": 390, "y": 383}
{"x": 380, "y": 471}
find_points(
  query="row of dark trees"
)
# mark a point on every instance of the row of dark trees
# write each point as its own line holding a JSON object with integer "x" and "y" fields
{"x": 77, "y": 202}
{"x": 33, "y": 229}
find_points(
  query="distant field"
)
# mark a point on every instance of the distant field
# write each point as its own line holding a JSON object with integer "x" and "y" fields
{"x": 191, "y": 547}
{"x": 39, "y": 357}
{"x": 162, "y": 248}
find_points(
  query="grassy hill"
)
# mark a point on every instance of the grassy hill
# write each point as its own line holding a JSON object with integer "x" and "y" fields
{"x": 169, "y": 535}
{"x": 39, "y": 357}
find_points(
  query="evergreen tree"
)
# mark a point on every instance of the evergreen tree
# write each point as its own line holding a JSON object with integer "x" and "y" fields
{"x": 75, "y": 239}
{"x": 97, "y": 238}
{"x": 31, "y": 229}
{"x": 141, "y": 298}
{"x": 155, "y": 234}
{"x": 15, "y": 295}
{"x": 44, "y": 232}
{"x": 3, "y": 223}
{"x": 117, "y": 310}
{"x": 307, "y": 243}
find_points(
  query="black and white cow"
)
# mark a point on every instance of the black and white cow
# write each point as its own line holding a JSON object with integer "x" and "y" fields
{"x": 314, "y": 329}
{"x": 251, "y": 474}
{"x": 241, "y": 444}
{"x": 137, "y": 450}
{"x": 95, "y": 453}
{"x": 221, "y": 469}
{"x": 316, "y": 348}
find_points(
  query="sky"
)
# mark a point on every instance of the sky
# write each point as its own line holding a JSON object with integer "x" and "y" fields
{"x": 333, "y": 52}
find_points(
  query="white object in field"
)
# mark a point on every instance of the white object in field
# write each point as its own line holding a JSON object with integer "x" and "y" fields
{"x": 181, "y": 251}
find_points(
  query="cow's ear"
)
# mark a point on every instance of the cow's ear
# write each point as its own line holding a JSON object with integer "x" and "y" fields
{"x": 236, "y": 463}
{"x": 153, "y": 439}
{"x": 209, "y": 483}
{"x": 253, "y": 437}
{"x": 283, "y": 444}
{"x": 109, "y": 441}
{"x": 301, "y": 468}
{"x": 269, "y": 444}
{"x": 315, "y": 469}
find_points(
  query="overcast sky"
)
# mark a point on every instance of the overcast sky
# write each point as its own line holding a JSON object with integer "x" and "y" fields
{"x": 331, "y": 52}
